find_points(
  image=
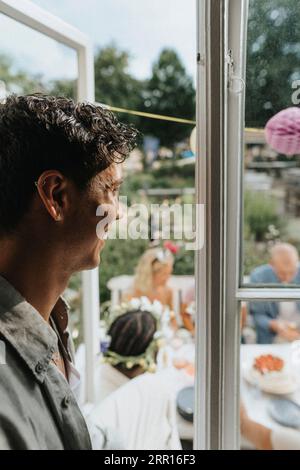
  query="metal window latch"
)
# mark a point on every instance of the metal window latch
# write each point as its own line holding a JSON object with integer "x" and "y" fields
{"x": 200, "y": 59}
{"x": 229, "y": 61}
{"x": 236, "y": 84}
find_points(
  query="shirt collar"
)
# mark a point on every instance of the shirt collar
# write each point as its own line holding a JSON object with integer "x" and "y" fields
{"x": 26, "y": 330}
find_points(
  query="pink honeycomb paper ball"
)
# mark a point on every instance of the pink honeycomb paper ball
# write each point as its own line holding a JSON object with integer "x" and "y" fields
{"x": 283, "y": 131}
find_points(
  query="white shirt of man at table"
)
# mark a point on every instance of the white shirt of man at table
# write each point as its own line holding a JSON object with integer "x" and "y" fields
{"x": 288, "y": 315}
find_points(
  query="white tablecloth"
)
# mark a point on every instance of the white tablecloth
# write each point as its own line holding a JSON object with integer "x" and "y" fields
{"x": 178, "y": 379}
{"x": 255, "y": 401}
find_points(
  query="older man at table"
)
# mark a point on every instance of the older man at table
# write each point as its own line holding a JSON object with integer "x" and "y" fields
{"x": 277, "y": 321}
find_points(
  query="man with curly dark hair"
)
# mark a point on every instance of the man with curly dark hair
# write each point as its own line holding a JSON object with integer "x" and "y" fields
{"x": 59, "y": 161}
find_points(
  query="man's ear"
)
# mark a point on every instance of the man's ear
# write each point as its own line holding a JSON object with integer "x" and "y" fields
{"x": 51, "y": 187}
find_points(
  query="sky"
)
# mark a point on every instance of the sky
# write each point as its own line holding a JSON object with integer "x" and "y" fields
{"x": 142, "y": 27}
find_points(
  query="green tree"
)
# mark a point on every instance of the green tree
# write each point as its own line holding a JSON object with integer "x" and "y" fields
{"x": 17, "y": 81}
{"x": 63, "y": 87}
{"x": 114, "y": 85}
{"x": 21, "y": 82}
{"x": 273, "y": 58}
{"x": 169, "y": 91}
{"x": 261, "y": 212}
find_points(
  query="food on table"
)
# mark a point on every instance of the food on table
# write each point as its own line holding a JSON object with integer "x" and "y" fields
{"x": 271, "y": 374}
{"x": 180, "y": 363}
{"x": 267, "y": 363}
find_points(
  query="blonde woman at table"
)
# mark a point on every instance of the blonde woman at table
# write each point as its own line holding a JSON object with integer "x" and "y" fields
{"x": 263, "y": 438}
{"x": 152, "y": 274}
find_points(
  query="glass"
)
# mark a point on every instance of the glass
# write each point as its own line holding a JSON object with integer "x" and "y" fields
{"x": 270, "y": 372}
{"x": 271, "y": 196}
{"x": 32, "y": 62}
{"x": 160, "y": 172}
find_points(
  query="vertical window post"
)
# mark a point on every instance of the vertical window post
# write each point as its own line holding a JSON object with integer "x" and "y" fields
{"x": 221, "y": 51}
{"x": 90, "y": 279}
{"x": 210, "y": 192}
{"x": 236, "y": 70}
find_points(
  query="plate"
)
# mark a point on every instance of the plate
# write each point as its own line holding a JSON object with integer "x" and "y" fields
{"x": 285, "y": 412}
{"x": 185, "y": 403}
{"x": 277, "y": 383}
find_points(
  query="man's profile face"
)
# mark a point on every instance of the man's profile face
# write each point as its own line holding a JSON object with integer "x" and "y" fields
{"x": 285, "y": 267}
{"x": 85, "y": 244}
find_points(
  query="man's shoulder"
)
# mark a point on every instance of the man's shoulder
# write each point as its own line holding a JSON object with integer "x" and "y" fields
{"x": 297, "y": 277}
{"x": 262, "y": 273}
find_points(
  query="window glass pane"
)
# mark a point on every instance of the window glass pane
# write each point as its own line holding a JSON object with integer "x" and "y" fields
{"x": 271, "y": 165}
{"x": 270, "y": 375}
{"x": 148, "y": 256}
{"x": 161, "y": 172}
{"x": 31, "y": 62}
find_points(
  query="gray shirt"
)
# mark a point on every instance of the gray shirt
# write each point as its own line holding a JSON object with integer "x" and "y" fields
{"x": 37, "y": 407}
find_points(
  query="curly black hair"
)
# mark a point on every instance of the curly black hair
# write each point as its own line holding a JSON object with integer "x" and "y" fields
{"x": 132, "y": 333}
{"x": 40, "y": 132}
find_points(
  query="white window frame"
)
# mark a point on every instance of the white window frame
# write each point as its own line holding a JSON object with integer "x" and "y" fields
{"x": 220, "y": 111}
{"x": 220, "y": 145}
{"x": 36, "y": 18}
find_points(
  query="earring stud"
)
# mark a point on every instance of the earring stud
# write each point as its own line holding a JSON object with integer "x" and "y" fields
{"x": 37, "y": 183}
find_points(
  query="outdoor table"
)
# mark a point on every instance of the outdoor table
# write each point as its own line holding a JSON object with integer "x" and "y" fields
{"x": 177, "y": 380}
{"x": 255, "y": 401}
